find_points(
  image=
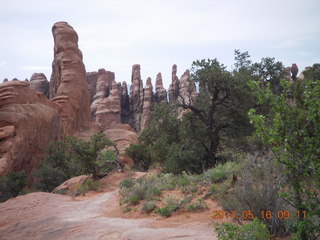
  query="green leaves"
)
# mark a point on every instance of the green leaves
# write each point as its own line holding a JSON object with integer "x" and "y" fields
{"x": 73, "y": 157}
{"x": 291, "y": 130}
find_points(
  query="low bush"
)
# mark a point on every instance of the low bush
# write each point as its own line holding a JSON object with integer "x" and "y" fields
{"x": 255, "y": 230}
{"x": 73, "y": 157}
{"x": 200, "y": 204}
{"x": 165, "y": 211}
{"x": 221, "y": 172}
{"x": 140, "y": 155}
{"x": 126, "y": 183}
{"x": 172, "y": 202}
{"x": 12, "y": 185}
{"x": 257, "y": 189}
{"x": 148, "y": 207}
{"x": 89, "y": 185}
{"x": 133, "y": 199}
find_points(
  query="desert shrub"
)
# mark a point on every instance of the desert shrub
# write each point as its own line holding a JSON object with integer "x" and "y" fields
{"x": 88, "y": 185}
{"x": 258, "y": 189}
{"x": 148, "y": 206}
{"x": 140, "y": 155}
{"x": 73, "y": 157}
{"x": 221, "y": 172}
{"x": 126, "y": 209}
{"x": 166, "y": 211}
{"x": 133, "y": 199}
{"x": 142, "y": 188}
{"x": 172, "y": 202}
{"x": 185, "y": 200}
{"x": 255, "y": 230}
{"x": 48, "y": 177}
{"x": 12, "y": 185}
{"x": 198, "y": 205}
{"x": 126, "y": 183}
{"x": 189, "y": 189}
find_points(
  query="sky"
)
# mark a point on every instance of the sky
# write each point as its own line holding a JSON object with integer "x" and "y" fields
{"x": 115, "y": 34}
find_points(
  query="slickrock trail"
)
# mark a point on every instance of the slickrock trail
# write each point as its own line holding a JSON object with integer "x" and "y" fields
{"x": 94, "y": 216}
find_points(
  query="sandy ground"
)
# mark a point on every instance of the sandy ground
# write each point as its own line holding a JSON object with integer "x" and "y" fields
{"x": 95, "y": 216}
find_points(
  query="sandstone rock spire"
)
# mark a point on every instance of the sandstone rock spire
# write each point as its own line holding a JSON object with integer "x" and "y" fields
{"x": 147, "y": 103}
{"x": 68, "y": 86}
{"x": 161, "y": 93}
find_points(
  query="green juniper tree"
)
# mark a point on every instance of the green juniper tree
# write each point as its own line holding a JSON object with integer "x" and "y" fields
{"x": 292, "y": 131}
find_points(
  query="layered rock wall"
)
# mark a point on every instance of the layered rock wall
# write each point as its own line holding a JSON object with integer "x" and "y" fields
{"x": 28, "y": 122}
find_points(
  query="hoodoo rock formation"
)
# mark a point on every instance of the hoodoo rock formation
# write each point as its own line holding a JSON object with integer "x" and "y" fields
{"x": 39, "y": 82}
{"x": 68, "y": 86}
{"x": 174, "y": 86}
{"x": 161, "y": 93}
{"x": 136, "y": 98}
{"x": 294, "y": 71}
{"x": 134, "y": 107}
{"x": 109, "y": 108}
{"x": 103, "y": 85}
{"x": 147, "y": 103}
{"x": 29, "y": 121}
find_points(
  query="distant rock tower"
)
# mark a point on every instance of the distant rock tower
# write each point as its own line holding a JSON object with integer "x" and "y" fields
{"x": 294, "y": 71}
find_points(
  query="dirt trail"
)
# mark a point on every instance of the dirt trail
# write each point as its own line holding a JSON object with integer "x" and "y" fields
{"x": 94, "y": 216}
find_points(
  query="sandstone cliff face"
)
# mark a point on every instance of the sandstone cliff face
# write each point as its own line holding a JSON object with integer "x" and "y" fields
{"x": 39, "y": 82}
{"x": 28, "y": 122}
{"x": 110, "y": 105}
{"x": 103, "y": 86}
{"x": 92, "y": 78}
{"x": 109, "y": 109}
{"x": 68, "y": 86}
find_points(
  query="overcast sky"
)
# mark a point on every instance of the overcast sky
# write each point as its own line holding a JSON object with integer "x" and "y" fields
{"x": 115, "y": 34}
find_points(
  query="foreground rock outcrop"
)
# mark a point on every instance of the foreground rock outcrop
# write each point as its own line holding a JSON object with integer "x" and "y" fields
{"x": 95, "y": 216}
{"x": 28, "y": 122}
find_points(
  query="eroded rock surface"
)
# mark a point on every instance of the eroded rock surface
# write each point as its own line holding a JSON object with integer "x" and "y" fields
{"x": 109, "y": 108}
{"x": 53, "y": 216}
{"x": 68, "y": 86}
{"x": 161, "y": 93}
{"x": 147, "y": 103}
{"x": 28, "y": 122}
{"x": 39, "y": 82}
